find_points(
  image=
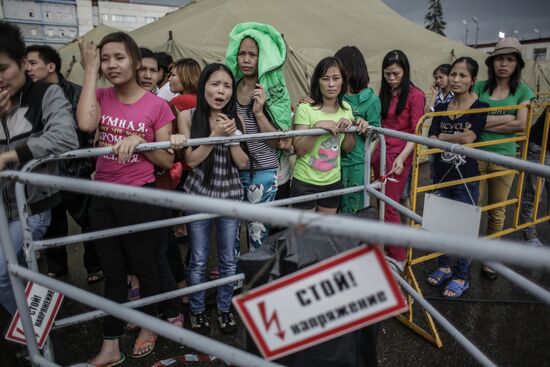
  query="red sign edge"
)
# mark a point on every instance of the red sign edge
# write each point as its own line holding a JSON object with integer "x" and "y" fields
{"x": 239, "y": 301}
{"x": 15, "y": 320}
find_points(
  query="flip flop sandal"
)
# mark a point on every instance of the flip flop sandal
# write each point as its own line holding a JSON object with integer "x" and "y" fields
{"x": 133, "y": 294}
{"x": 95, "y": 277}
{"x": 176, "y": 321}
{"x": 439, "y": 277}
{"x": 146, "y": 344}
{"x": 455, "y": 287}
{"x": 122, "y": 359}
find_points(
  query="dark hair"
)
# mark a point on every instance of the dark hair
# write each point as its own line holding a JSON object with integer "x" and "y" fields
{"x": 47, "y": 54}
{"x": 11, "y": 41}
{"x": 319, "y": 72}
{"x": 515, "y": 78}
{"x": 146, "y": 53}
{"x": 443, "y": 69}
{"x": 471, "y": 65}
{"x": 188, "y": 71}
{"x": 399, "y": 58}
{"x": 164, "y": 61}
{"x": 356, "y": 68}
{"x": 131, "y": 46}
{"x": 200, "y": 124}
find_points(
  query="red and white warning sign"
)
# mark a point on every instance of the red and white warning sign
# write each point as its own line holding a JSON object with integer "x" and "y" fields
{"x": 43, "y": 304}
{"x": 328, "y": 299}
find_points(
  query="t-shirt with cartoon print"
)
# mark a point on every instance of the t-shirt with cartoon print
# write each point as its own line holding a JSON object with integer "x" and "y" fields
{"x": 321, "y": 165}
{"x": 120, "y": 120}
{"x": 447, "y": 164}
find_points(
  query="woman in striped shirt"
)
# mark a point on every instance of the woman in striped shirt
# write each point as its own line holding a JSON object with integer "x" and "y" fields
{"x": 214, "y": 173}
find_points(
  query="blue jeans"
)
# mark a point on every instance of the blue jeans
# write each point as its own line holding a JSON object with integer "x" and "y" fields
{"x": 530, "y": 188}
{"x": 199, "y": 235}
{"x": 39, "y": 224}
{"x": 459, "y": 193}
{"x": 261, "y": 188}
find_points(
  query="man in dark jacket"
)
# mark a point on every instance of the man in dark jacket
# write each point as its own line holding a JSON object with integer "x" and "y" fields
{"x": 44, "y": 64}
{"x": 36, "y": 122}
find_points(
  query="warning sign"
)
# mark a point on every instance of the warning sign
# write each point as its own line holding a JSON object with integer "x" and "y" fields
{"x": 43, "y": 304}
{"x": 321, "y": 302}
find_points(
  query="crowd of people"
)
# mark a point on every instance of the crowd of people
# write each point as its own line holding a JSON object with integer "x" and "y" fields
{"x": 153, "y": 98}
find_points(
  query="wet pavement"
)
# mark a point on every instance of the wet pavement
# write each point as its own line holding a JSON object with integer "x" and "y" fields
{"x": 505, "y": 322}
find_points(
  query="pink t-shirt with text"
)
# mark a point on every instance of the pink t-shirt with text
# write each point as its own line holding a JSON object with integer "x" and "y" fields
{"x": 119, "y": 120}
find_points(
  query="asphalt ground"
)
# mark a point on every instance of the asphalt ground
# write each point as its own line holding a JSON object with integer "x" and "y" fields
{"x": 505, "y": 322}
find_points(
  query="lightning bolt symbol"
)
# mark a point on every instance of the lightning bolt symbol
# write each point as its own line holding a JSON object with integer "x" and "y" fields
{"x": 274, "y": 318}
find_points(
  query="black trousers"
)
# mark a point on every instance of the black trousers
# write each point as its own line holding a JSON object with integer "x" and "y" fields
{"x": 56, "y": 257}
{"x": 142, "y": 251}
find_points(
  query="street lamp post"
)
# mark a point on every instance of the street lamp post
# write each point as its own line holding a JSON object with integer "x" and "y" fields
{"x": 477, "y": 27}
{"x": 466, "y": 35}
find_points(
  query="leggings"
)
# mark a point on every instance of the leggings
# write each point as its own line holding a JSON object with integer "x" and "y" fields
{"x": 138, "y": 250}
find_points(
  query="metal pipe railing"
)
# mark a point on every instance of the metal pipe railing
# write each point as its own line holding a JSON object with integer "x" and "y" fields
{"x": 502, "y": 251}
{"x": 167, "y": 330}
{"x": 454, "y": 332}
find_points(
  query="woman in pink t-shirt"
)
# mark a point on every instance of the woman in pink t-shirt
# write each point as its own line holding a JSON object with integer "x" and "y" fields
{"x": 402, "y": 106}
{"x": 125, "y": 116}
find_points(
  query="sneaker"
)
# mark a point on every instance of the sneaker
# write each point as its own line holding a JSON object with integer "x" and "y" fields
{"x": 238, "y": 285}
{"x": 227, "y": 323}
{"x": 200, "y": 323}
{"x": 535, "y": 242}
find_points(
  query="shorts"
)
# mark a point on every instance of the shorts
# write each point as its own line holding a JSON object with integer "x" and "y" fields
{"x": 299, "y": 188}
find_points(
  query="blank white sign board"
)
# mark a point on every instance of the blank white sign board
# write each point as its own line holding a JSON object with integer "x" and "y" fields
{"x": 449, "y": 216}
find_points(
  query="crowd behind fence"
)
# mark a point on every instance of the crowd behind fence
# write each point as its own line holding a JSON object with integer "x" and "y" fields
{"x": 505, "y": 251}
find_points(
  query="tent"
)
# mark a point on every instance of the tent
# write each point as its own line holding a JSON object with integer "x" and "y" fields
{"x": 312, "y": 29}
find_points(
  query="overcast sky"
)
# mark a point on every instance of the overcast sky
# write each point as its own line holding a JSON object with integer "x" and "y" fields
{"x": 493, "y": 16}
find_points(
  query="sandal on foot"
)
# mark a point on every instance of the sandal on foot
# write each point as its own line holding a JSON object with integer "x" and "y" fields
{"x": 455, "y": 287}
{"x": 95, "y": 277}
{"x": 144, "y": 344}
{"x": 131, "y": 327}
{"x": 438, "y": 277}
{"x": 176, "y": 321}
{"x": 133, "y": 294}
{"x": 111, "y": 364}
{"x": 488, "y": 273}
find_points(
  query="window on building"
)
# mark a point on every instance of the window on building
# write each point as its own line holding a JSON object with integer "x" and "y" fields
{"x": 150, "y": 19}
{"x": 539, "y": 53}
{"x": 31, "y": 14}
{"x": 123, "y": 18}
{"x": 105, "y": 17}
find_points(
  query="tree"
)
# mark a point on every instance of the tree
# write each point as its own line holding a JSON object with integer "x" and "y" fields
{"x": 434, "y": 17}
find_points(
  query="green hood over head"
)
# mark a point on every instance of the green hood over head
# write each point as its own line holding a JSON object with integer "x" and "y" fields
{"x": 271, "y": 58}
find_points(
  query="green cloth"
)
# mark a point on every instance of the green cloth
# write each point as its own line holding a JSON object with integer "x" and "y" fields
{"x": 321, "y": 165}
{"x": 271, "y": 58}
{"x": 523, "y": 94}
{"x": 365, "y": 105}
{"x": 353, "y": 175}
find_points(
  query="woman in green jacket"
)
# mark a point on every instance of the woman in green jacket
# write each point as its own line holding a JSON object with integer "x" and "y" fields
{"x": 365, "y": 105}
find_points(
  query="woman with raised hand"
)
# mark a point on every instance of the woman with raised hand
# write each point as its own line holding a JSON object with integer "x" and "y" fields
{"x": 502, "y": 88}
{"x": 365, "y": 105}
{"x": 125, "y": 116}
{"x": 402, "y": 106}
{"x": 457, "y": 129}
{"x": 317, "y": 166}
{"x": 214, "y": 173}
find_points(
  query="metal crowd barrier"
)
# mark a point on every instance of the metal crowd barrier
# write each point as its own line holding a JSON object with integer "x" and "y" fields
{"x": 419, "y": 157}
{"x": 352, "y": 228}
{"x": 32, "y": 246}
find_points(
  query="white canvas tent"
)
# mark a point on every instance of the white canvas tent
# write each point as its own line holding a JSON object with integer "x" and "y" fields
{"x": 312, "y": 29}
